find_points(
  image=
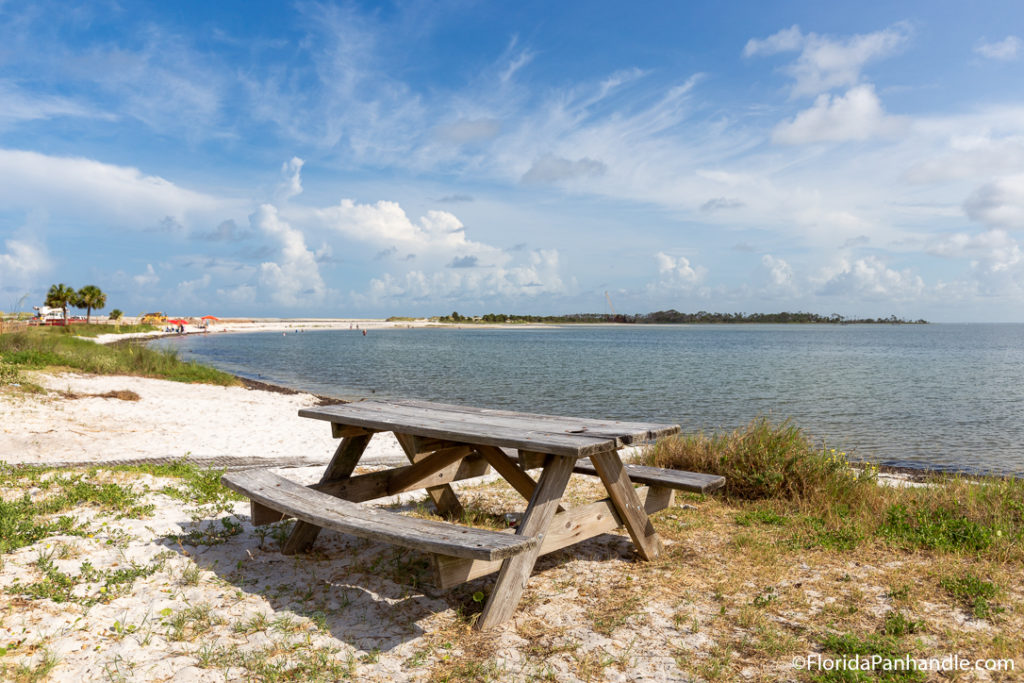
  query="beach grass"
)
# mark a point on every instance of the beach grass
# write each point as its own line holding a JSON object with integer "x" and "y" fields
{"x": 780, "y": 479}
{"x": 765, "y": 572}
{"x": 41, "y": 348}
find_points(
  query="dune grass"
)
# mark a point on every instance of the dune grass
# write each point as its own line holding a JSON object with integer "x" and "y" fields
{"x": 36, "y": 349}
{"x": 779, "y": 478}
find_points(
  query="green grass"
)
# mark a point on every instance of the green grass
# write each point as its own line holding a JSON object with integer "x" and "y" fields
{"x": 813, "y": 497}
{"x": 973, "y": 594}
{"x": 53, "y": 347}
{"x": 28, "y": 519}
{"x": 94, "y": 330}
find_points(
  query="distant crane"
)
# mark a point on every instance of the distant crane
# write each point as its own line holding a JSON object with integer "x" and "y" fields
{"x": 609, "y": 300}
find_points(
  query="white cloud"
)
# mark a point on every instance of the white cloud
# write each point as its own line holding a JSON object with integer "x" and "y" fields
{"x": 18, "y": 105}
{"x": 22, "y": 260}
{"x": 75, "y": 186}
{"x": 780, "y": 272}
{"x": 538, "y": 275}
{"x": 469, "y": 130}
{"x": 870, "y": 278}
{"x": 1005, "y": 50}
{"x": 857, "y": 115}
{"x": 147, "y": 279}
{"x": 295, "y": 280}
{"x": 996, "y": 259}
{"x": 676, "y": 272}
{"x": 825, "y": 63}
{"x": 291, "y": 181}
{"x": 999, "y": 203}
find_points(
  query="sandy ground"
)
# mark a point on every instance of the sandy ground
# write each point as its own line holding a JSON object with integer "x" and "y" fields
{"x": 223, "y": 607}
{"x": 170, "y": 420}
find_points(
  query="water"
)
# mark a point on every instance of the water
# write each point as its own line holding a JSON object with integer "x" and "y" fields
{"x": 936, "y": 396}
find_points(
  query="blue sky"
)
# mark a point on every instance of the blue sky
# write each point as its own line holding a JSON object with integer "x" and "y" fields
{"x": 374, "y": 159}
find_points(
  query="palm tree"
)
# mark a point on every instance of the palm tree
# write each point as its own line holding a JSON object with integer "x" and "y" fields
{"x": 90, "y": 297}
{"x": 116, "y": 314}
{"x": 60, "y": 296}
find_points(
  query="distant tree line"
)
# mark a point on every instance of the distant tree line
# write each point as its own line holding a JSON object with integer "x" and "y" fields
{"x": 674, "y": 317}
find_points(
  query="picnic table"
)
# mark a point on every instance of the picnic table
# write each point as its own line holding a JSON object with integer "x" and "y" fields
{"x": 449, "y": 443}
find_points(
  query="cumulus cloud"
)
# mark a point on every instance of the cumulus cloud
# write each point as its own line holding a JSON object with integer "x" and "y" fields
{"x": 857, "y": 115}
{"x": 76, "y": 186}
{"x": 1005, "y": 50}
{"x": 999, "y": 203}
{"x": 676, "y": 272}
{"x": 779, "y": 272}
{"x": 552, "y": 169}
{"x": 148, "y": 278}
{"x": 996, "y": 259}
{"x": 295, "y": 279}
{"x": 22, "y": 260}
{"x": 826, "y": 63}
{"x": 538, "y": 275}
{"x": 870, "y": 278}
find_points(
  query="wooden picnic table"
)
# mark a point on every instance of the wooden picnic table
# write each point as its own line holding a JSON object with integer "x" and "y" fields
{"x": 448, "y": 443}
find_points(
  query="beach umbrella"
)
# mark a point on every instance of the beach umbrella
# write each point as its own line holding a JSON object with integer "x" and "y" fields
{"x": 210, "y": 317}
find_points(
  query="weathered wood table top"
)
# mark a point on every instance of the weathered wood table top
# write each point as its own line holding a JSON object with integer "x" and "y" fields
{"x": 551, "y": 434}
{"x": 446, "y": 443}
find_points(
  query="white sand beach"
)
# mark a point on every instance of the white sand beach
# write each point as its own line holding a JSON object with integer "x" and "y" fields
{"x": 176, "y": 584}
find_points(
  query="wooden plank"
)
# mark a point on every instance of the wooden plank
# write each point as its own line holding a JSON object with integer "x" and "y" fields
{"x": 445, "y": 501}
{"x": 374, "y": 485}
{"x": 624, "y": 433}
{"x": 507, "y": 468}
{"x": 384, "y": 417}
{"x": 322, "y": 510}
{"x": 530, "y": 460}
{"x": 515, "y": 571}
{"x": 261, "y": 514}
{"x": 421, "y": 469}
{"x": 657, "y": 476}
{"x": 341, "y": 466}
{"x": 651, "y": 430}
{"x": 620, "y": 490}
{"x": 567, "y": 528}
{"x": 340, "y": 431}
{"x": 510, "y": 471}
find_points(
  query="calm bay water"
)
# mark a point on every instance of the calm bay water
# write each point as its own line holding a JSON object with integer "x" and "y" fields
{"x": 939, "y": 396}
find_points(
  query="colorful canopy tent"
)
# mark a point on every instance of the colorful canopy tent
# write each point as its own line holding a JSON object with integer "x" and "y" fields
{"x": 178, "y": 321}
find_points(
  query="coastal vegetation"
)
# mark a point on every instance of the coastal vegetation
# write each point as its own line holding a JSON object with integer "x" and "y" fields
{"x": 58, "y": 347}
{"x": 674, "y": 317}
{"x": 801, "y": 554}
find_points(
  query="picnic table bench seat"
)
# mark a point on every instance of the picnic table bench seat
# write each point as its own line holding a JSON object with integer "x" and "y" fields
{"x": 694, "y": 482}
{"x": 324, "y": 510}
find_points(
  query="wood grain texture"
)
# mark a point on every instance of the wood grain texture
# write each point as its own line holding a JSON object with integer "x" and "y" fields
{"x": 515, "y": 571}
{"x": 345, "y": 459}
{"x": 658, "y": 476}
{"x": 568, "y": 436}
{"x": 623, "y": 495}
{"x": 445, "y": 501}
{"x": 507, "y": 467}
{"x": 567, "y": 528}
{"x": 322, "y": 510}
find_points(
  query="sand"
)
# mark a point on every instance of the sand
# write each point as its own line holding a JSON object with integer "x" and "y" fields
{"x": 224, "y": 606}
{"x": 170, "y": 420}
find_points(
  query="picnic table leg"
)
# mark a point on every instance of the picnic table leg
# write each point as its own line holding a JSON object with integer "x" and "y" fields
{"x": 445, "y": 500}
{"x": 341, "y": 466}
{"x": 631, "y": 510}
{"x": 516, "y": 570}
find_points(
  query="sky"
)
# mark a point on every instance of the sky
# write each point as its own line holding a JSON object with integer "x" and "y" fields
{"x": 376, "y": 159}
